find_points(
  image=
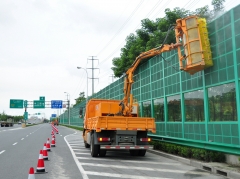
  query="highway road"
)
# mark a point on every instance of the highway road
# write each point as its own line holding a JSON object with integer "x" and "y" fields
{"x": 19, "y": 150}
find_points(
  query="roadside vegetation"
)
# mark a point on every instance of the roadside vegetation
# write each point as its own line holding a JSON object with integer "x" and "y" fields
{"x": 189, "y": 152}
{"x": 152, "y": 33}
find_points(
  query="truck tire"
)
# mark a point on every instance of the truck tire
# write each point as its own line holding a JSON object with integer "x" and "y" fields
{"x": 102, "y": 153}
{"x": 86, "y": 145}
{"x": 142, "y": 152}
{"x": 134, "y": 152}
{"x": 94, "y": 148}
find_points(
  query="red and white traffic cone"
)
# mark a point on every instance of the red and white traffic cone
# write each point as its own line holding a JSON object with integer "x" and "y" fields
{"x": 52, "y": 132}
{"x": 48, "y": 146}
{"x": 31, "y": 173}
{"x": 54, "y": 137}
{"x": 45, "y": 153}
{"x": 40, "y": 165}
{"x": 53, "y": 142}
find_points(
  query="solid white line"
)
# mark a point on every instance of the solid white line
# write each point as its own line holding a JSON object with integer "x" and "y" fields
{"x": 22, "y": 139}
{"x": 74, "y": 143}
{"x": 133, "y": 168}
{"x": 83, "y": 153}
{"x": 128, "y": 161}
{"x": 82, "y": 171}
{"x": 2, "y": 151}
{"x": 15, "y": 143}
{"x": 142, "y": 168}
{"x": 122, "y": 175}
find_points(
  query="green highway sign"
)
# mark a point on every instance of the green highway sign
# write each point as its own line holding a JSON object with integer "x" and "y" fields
{"x": 25, "y": 103}
{"x": 42, "y": 98}
{"x": 38, "y": 104}
{"x": 25, "y": 115}
{"x": 16, "y": 103}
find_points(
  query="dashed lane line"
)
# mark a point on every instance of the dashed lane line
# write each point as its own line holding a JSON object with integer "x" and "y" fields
{"x": 22, "y": 139}
{"x": 2, "y": 152}
{"x": 15, "y": 143}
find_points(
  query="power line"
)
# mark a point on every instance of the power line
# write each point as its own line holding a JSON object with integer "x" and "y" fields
{"x": 121, "y": 28}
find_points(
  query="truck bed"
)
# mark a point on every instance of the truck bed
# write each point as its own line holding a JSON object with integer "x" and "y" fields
{"x": 120, "y": 123}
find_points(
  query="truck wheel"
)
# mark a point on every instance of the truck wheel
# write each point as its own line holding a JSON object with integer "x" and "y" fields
{"x": 94, "y": 148}
{"x": 133, "y": 152}
{"x": 86, "y": 145}
{"x": 142, "y": 152}
{"x": 102, "y": 153}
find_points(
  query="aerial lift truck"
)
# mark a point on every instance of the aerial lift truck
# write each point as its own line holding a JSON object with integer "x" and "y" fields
{"x": 115, "y": 124}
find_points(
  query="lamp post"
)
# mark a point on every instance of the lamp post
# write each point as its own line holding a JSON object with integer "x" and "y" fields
{"x": 87, "y": 81}
{"x": 68, "y": 107}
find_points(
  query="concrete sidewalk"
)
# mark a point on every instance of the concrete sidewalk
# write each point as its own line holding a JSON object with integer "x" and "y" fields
{"x": 213, "y": 167}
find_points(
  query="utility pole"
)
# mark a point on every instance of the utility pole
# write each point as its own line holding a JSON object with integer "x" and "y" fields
{"x": 92, "y": 59}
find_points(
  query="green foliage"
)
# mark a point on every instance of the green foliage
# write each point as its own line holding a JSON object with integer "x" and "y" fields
{"x": 4, "y": 117}
{"x": 80, "y": 98}
{"x": 189, "y": 152}
{"x": 152, "y": 34}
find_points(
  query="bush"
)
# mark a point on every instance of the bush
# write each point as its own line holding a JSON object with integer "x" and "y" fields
{"x": 189, "y": 152}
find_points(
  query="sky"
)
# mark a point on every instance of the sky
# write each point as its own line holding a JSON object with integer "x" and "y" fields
{"x": 42, "y": 42}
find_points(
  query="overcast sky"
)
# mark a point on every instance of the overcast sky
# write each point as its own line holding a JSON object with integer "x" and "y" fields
{"x": 43, "y": 41}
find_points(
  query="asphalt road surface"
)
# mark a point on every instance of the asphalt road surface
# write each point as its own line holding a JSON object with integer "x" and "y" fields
{"x": 19, "y": 150}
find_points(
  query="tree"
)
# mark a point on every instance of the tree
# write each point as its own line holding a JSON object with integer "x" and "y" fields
{"x": 3, "y": 116}
{"x": 152, "y": 34}
{"x": 80, "y": 98}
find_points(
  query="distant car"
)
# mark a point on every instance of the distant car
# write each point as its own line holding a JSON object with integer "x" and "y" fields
{"x": 29, "y": 123}
{"x": 19, "y": 122}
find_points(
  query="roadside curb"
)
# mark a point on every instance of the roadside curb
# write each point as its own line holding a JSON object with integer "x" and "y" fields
{"x": 199, "y": 165}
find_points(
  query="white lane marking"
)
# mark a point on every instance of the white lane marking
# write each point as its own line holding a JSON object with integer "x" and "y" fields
{"x": 60, "y": 135}
{"x": 75, "y": 144}
{"x": 132, "y": 167}
{"x": 141, "y": 168}
{"x": 15, "y": 143}
{"x": 128, "y": 161}
{"x": 15, "y": 129}
{"x": 4, "y": 130}
{"x": 122, "y": 175}
{"x": 26, "y": 135}
{"x": 22, "y": 139}
{"x": 83, "y": 153}
{"x": 77, "y": 149}
{"x": 2, "y": 151}
{"x": 82, "y": 171}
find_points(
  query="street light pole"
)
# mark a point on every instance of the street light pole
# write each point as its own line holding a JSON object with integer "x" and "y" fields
{"x": 68, "y": 107}
{"x": 87, "y": 81}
